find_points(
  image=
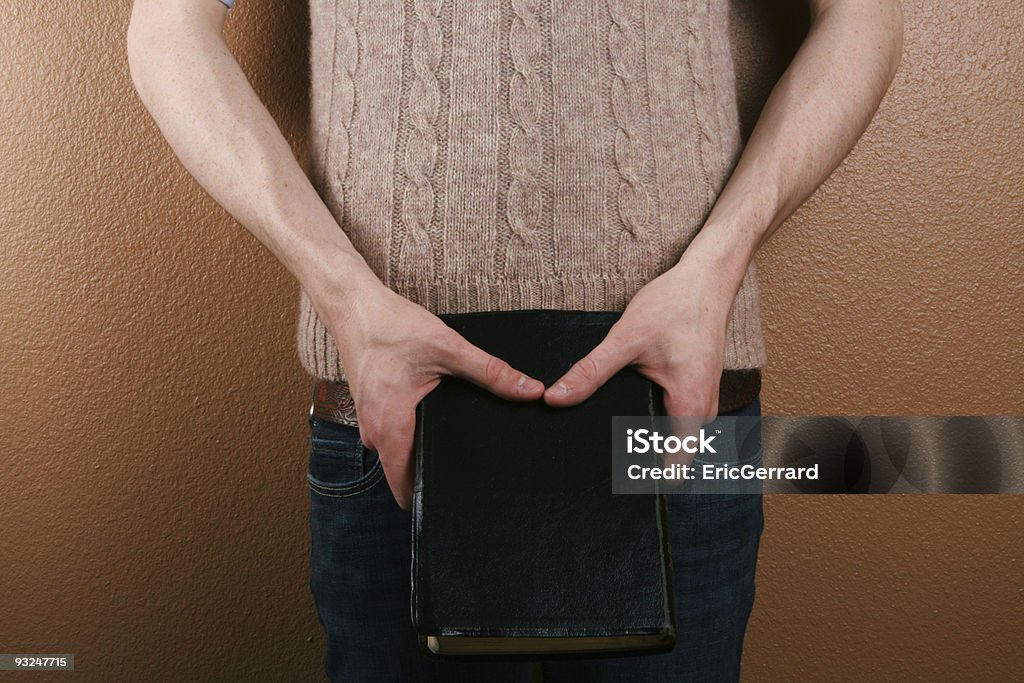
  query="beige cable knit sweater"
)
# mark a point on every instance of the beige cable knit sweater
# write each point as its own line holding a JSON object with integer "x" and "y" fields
{"x": 509, "y": 154}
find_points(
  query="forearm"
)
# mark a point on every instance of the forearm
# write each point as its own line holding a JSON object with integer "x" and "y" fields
{"x": 812, "y": 119}
{"x": 224, "y": 136}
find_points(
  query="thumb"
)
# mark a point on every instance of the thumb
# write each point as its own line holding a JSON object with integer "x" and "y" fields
{"x": 490, "y": 372}
{"x": 588, "y": 374}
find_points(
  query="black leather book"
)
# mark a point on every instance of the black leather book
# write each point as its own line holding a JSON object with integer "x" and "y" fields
{"x": 519, "y": 546}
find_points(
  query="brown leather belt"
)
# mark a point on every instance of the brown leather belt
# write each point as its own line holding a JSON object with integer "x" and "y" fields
{"x": 333, "y": 402}
{"x": 738, "y": 388}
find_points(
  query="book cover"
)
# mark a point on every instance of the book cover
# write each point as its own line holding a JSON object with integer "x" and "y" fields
{"x": 519, "y": 545}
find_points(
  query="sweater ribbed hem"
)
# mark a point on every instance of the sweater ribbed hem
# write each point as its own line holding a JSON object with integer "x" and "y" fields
{"x": 744, "y": 344}
{"x": 466, "y": 295}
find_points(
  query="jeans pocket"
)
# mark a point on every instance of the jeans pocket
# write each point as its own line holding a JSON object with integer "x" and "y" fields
{"x": 340, "y": 465}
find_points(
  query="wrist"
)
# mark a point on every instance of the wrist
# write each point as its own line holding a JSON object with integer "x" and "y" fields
{"x": 741, "y": 219}
{"x": 711, "y": 270}
{"x": 725, "y": 247}
{"x": 335, "y": 273}
{"x": 714, "y": 265}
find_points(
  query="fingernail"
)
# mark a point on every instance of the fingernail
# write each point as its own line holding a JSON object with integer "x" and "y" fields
{"x": 563, "y": 387}
{"x": 527, "y": 383}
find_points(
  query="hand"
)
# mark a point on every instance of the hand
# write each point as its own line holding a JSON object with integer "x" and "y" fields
{"x": 673, "y": 333}
{"x": 394, "y": 353}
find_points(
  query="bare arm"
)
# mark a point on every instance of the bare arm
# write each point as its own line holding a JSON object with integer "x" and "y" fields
{"x": 813, "y": 117}
{"x": 224, "y": 136}
{"x": 394, "y": 351}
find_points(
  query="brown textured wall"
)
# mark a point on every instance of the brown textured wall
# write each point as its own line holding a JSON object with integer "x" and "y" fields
{"x": 152, "y": 442}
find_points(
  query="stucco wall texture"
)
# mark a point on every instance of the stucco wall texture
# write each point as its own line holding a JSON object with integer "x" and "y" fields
{"x": 152, "y": 433}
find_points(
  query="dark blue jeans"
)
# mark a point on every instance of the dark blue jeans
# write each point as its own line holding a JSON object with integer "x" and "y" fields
{"x": 361, "y": 567}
